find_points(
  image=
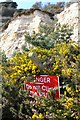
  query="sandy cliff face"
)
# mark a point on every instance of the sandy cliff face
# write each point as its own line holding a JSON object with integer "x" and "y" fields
{"x": 13, "y": 36}
{"x": 70, "y": 16}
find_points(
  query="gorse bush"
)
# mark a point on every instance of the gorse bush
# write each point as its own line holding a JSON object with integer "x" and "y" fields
{"x": 49, "y": 35}
{"x": 62, "y": 60}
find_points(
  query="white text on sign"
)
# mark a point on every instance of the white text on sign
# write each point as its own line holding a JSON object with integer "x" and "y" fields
{"x": 43, "y": 79}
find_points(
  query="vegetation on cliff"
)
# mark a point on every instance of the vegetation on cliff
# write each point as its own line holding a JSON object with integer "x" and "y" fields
{"x": 61, "y": 58}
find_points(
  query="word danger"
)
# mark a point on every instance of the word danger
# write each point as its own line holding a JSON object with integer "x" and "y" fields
{"x": 43, "y": 79}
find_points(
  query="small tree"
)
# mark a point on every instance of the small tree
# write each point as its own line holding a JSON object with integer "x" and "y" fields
{"x": 37, "y": 5}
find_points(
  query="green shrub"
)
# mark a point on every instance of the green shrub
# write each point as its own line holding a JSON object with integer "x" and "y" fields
{"x": 49, "y": 35}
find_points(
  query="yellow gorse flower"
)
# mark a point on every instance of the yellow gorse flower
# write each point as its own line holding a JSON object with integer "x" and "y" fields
{"x": 41, "y": 116}
{"x": 35, "y": 116}
{"x": 69, "y": 103}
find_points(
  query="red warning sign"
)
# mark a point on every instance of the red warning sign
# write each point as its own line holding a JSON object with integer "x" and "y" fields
{"x": 42, "y": 84}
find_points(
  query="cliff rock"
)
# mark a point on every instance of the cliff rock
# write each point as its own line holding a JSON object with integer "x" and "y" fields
{"x": 13, "y": 37}
{"x": 70, "y": 16}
